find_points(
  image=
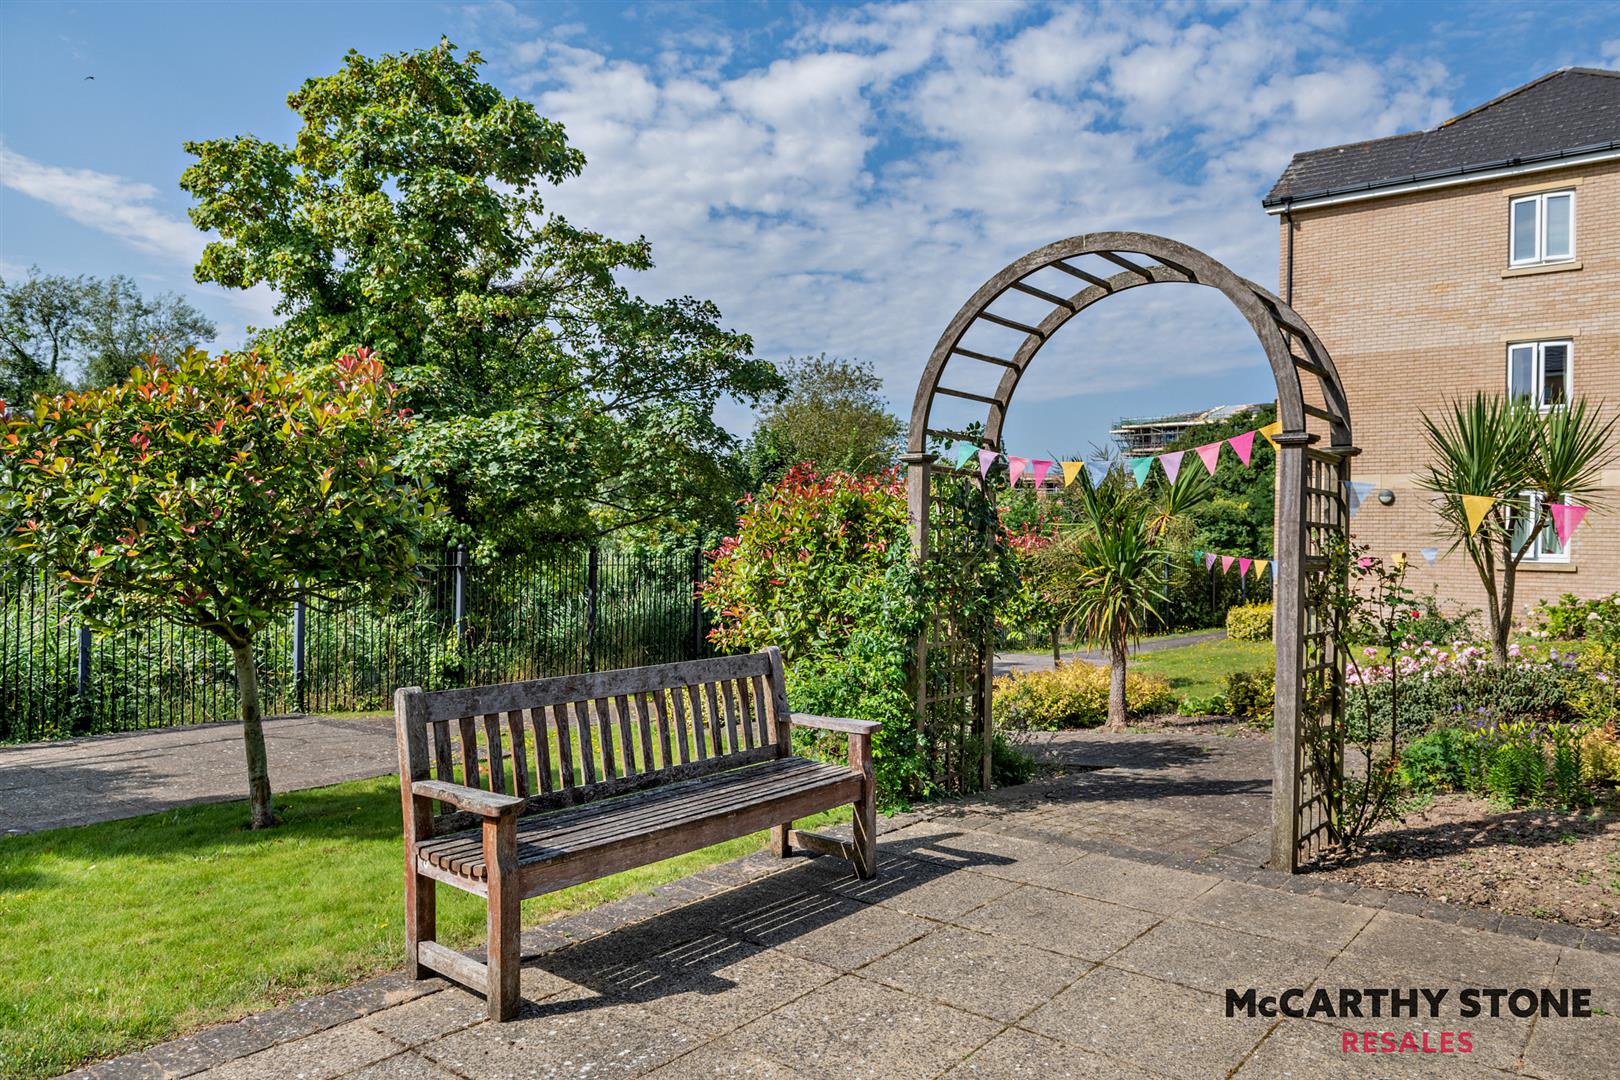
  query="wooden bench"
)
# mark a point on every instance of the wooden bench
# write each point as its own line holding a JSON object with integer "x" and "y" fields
{"x": 582, "y": 776}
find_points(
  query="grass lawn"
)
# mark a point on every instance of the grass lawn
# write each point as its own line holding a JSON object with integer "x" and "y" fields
{"x": 126, "y": 933}
{"x": 1200, "y": 671}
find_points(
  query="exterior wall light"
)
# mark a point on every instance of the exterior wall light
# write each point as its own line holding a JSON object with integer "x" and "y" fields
{"x": 1386, "y": 497}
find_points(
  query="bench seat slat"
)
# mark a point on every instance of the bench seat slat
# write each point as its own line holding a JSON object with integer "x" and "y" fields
{"x": 563, "y": 834}
{"x": 698, "y": 795}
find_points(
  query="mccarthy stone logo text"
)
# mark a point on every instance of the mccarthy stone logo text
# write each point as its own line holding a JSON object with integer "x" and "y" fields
{"x": 1409, "y": 1002}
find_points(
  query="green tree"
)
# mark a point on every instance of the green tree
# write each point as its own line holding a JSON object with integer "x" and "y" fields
{"x": 832, "y": 416}
{"x": 1105, "y": 575}
{"x": 209, "y": 493}
{"x": 407, "y": 216}
{"x": 57, "y": 330}
{"x": 1524, "y": 460}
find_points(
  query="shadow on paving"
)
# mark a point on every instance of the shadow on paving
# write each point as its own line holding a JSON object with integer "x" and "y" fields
{"x": 683, "y": 951}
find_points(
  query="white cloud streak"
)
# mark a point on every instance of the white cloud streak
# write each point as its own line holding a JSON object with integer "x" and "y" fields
{"x": 849, "y": 193}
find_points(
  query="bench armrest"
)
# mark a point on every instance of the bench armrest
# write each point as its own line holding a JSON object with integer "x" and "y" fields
{"x": 837, "y": 723}
{"x": 490, "y": 804}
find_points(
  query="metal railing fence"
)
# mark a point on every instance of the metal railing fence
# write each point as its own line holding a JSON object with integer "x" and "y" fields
{"x": 462, "y": 623}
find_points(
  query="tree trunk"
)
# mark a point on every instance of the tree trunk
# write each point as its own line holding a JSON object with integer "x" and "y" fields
{"x": 1502, "y": 632}
{"x": 1057, "y": 655}
{"x": 258, "y": 763}
{"x": 1116, "y": 685}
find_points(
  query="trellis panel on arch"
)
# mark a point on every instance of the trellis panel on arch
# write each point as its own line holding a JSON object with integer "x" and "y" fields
{"x": 1313, "y": 451}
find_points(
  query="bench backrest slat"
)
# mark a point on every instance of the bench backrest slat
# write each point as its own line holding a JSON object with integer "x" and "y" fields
{"x": 556, "y": 742}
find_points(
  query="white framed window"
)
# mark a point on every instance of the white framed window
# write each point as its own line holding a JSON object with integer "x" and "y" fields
{"x": 1547, "y": 547}
{"x": 1542, "y": 371}
{"x": 1541, "y": 228}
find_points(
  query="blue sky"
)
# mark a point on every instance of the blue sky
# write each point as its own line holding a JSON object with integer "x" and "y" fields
{"x": 837, "y": 177}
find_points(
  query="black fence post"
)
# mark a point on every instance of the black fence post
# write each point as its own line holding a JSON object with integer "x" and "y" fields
{"x": 697, "y": 602}
{"x": 84, "y": 667}
{"x": 592, "y": 569}
{"x": 298, "y": 654}
{"x": 460, "y": 598}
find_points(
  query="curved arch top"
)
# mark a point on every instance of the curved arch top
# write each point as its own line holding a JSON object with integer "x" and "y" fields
{"x": 1290, "y": 345}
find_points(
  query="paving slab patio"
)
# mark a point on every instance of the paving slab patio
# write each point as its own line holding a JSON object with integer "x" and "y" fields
{"x": 1066, "y": 928}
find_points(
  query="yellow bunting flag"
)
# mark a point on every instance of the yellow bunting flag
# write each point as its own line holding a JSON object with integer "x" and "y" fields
{"x": 1260, "y": 567}
{"x": 1071, "y": 469}
{"x": 1271, "y": 431}
{"x": 1476, "y": 507}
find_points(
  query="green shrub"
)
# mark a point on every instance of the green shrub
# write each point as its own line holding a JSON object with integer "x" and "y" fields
{"x": 1249, "y": 622}
{"x": 1251, "y": 695}
{"x": 1428, "y": 624}
{"x": 1213, "y": 705}
{"x": 1446, "y": 759}
{"x": 1074, "y": 695}
{"x": 1572, "y": 618}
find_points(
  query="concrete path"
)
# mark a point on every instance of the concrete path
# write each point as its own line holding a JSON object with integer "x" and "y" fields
{"x": 1087, "y": 925}
{"x": 1007, "y": 662}
{"x": 142, "y": 772}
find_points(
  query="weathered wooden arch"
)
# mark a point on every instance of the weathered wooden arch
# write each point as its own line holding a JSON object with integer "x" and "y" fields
{"x": 1313, "y": 451}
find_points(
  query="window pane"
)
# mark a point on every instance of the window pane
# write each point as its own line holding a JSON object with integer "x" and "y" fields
{"x": 1554, "y": 374}
{"x": 1557, "y": 226}
{"x": 1522, "y": 518}
{"x": 1524, "y": 230}
{"x": 1521, "y": 365}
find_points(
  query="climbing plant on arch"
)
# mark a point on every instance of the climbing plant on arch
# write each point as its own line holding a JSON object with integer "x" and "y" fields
{"x": 1057, "y": 283}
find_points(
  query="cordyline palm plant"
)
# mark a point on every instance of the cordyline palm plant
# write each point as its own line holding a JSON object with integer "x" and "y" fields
{"x": 1105, "y": 573}
{"x": 1524, "y": 458}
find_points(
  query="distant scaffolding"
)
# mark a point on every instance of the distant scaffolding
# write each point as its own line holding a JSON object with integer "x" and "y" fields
{"x": 1144, "y": 436}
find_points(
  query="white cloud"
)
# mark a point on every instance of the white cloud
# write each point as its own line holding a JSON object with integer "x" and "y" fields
{"x": 849, "y": 191}
{"x": 124, "y": 209}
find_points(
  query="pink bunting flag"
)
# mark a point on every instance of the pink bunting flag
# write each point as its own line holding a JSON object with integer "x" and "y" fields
{"x": 1243, "y": 446}
{"x": 1566, "y": 519}
{"x": 1172, "y": 464}
{"x": 1039, "y": 468}
{"x": 1243, "y": 567}
{"x": 1226, "y": 562}
{"x": 1210, "y": 453}
{"x": 1209, "y": 560}
{"x": 987, "y": 458}
{"x": 1015, "y": 469}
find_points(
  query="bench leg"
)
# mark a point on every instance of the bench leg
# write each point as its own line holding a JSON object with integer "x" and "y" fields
{"x": 420, "y": 916}
{"x": 505, "y": 916}
{"x": 780, "y": 847}
{"x": 865, "y": 825}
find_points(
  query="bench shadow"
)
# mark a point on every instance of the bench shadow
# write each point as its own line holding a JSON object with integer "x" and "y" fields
{"x": 686, "y": 951}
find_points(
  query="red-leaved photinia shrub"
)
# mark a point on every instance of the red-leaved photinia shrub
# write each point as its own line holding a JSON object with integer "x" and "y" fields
{"x": 805, "y": 548}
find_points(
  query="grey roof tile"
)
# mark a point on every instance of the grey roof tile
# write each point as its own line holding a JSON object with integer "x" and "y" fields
{"x": 1568, "y": 110}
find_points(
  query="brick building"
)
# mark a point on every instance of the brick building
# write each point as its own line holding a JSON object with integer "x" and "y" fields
{"x": 1481, "y": 255}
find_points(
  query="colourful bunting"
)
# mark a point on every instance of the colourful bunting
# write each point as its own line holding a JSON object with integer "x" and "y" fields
{"x": 1139, "y": 469}
{"x": 1015, "y": 469}
{"x": 1210, "y": 455}
{"x": 987, "y": 458}
{"x": 1243, "y": 446}
{"x": 1399, "y": 560}
{"x": 964, "y": 454}
{"x": 1355, "y": 492}
{"x": 1071, "y": 469}
{"x": 1040, "y": 467}
{"x": 1429, "y": 554}
{"x": 1274, "y": 570}
{"x": 1566, "y": 519}
{"x": 1209, "y": 560}
{"x": 1226, "y": 562}
{"x": 1271, "y": 431}
{"x": 1172, "y": 464}
{"x": 1260, "y": 567}
{"x": 1475, "y": 507}
{"x": 1243, "y": 567}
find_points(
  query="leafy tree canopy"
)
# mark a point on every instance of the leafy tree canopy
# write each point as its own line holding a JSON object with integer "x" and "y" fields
{"x": 407, "y": 216}
{"x": 833, "y": 416}
{"x": 209, "y": 492}
{"x": 58, "y": 331}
